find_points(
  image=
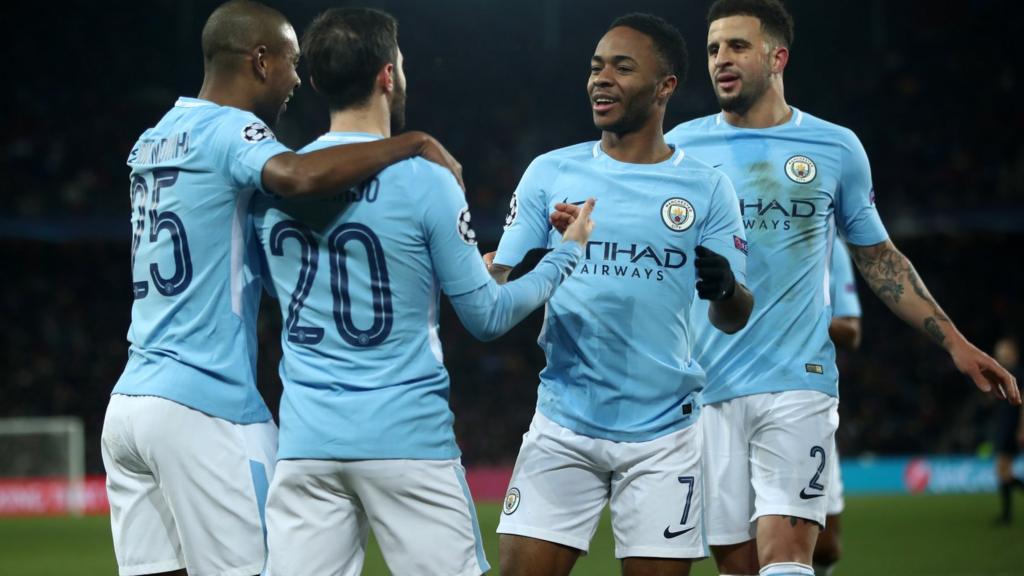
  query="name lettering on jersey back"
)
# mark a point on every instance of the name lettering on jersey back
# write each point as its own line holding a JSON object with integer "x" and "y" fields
{"x": 630, "y": 260}
{"x": 764, "y": 214}
{"x": 160, "y": 151}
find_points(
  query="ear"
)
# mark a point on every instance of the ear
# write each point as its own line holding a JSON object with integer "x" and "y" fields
{"x": 779, "y": 59}
{"x": 259, "y": 61}
{"x": 312, "y": 82}
{"x": 386, "y": 78}
{"x": 667, "y": 87}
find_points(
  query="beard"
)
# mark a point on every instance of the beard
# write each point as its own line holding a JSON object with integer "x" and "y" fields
{"x": 398, "y": 109}
{"x": 742, "y": 101}
{"x": 636, "y": 112}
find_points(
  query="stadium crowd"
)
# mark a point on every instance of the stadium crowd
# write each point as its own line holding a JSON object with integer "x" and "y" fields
{"x": 949, "y": 183}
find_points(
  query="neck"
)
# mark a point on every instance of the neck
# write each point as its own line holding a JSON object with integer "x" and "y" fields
{"x": 644, "y": 146}
{"x": 227, "y": 90}
{"x": 769, "y": 110}
{"x": 373, "y": 118}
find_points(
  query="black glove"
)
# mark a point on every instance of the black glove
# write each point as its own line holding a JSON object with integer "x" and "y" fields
{"x": 715, "y": 280}
{"x": 528, "y": 263}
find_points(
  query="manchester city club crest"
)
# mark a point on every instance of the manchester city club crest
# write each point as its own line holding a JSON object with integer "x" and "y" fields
{"x": 677, "y": 214}
{"x": 801, "y": 169}
{"x": 511, "y": 501}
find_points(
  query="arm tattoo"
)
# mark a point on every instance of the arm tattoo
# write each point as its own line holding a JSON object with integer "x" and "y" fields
{"x": 889, "y": 274}
{"x": 931, "y": 326}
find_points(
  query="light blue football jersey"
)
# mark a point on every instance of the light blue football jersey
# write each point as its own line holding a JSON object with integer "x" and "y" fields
{"x": 617, "y": 335}
{"x": 358, "y": 278}
{"x": 795, "y": 183}
{"x": 842, "y": 284}
{"x": 193, "y": 335}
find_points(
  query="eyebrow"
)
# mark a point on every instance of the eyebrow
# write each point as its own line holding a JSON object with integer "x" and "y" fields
{"x": 615, "y": 59}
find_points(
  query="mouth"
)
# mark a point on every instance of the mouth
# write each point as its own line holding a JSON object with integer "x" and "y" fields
{"x": 727, "y": 81}
{"x": 601, "y": 103}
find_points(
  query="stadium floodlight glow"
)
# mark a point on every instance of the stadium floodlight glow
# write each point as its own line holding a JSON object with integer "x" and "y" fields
{"x": 49, "y": 446}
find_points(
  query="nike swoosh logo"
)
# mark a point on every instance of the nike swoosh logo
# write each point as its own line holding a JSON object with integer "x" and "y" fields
{"x": 805, "y": 496}
{"x": 669, "y": 534}
{"x": 580, "y": 203}
{"x": 717, "y": 165}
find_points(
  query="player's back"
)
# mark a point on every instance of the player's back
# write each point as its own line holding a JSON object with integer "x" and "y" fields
{"x": 795, "y": 182}
{"x": 617, "y": 334}
{"x": 359, "y": 293}
{"x": 192, "y": 333}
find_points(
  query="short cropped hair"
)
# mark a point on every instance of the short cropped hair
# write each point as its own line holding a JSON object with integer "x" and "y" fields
{"x": 775, "y": 19}
{"x": 238, "y": 26}
{"x": 667, "y": 40}
{"x": 345, "y": 48}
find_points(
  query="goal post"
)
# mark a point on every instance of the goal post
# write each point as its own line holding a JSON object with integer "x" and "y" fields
{"x": 50, "y": 447}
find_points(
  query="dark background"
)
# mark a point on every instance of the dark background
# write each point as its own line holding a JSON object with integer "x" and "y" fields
{"x": 930, "y": 88}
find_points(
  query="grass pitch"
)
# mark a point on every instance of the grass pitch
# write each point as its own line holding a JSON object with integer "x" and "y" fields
{"x": 906, "y": 535}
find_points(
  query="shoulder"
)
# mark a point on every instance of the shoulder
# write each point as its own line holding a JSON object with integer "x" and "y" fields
{"x": 695, "y": 126}
{"x": 418, "y": 177}
{"x": 704, "y": 172}
{"x": 826, "y": 131}
{"x": 559, "y": 156}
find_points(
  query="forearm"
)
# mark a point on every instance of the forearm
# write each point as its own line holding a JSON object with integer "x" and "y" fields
{"x": 493, "y": 309}
{"x": 892, "y": 277}
{"x": 331, "y": 170}
{"x": 731, "y": 314}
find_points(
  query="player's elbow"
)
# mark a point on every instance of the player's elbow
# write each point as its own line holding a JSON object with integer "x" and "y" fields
{"x": 286, "y": 175}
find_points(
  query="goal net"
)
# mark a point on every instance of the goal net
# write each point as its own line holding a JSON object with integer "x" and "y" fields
{"x": 46, "y": 454}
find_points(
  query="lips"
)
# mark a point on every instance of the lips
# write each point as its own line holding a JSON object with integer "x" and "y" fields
{"x": 727, "y": 80}
{"x": 602, "y": 103}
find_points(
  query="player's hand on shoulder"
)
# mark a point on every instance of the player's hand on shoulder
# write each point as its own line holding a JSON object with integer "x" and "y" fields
{"x": 715, "y": 280}
{"x": 564, "y": 215}
{"x": 432, "y": 150}
{"x": 580, "y": 228}
{"x": 987, "y": 374}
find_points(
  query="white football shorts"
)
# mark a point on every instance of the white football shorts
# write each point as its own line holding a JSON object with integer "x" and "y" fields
{"x": 421, "y": 512}
{"x": 562, "y": 481}
{"x": 767, "y": 454}
{"x": 836, "y": 503}
{"x": 186, "y": 489}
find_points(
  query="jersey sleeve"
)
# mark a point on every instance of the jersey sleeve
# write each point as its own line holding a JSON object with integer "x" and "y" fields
{"x": 855, "y": 210}
{"x": 723, "y": 228}
{"x": 842, "y": 285}
{"x": 449, "y": 232}
{"x": 491, "y": 310}
{"x": 246, "y": 143}
{"x": 527, "y": 226}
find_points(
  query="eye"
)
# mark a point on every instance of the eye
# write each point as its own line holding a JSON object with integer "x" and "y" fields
{"x": 594, "y": 68}
{"x": 623, "y": 69}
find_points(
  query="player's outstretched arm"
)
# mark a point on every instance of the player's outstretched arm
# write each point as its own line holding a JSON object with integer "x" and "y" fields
{"x": 493, "y": 309}
{"x": 330, "y": 170}
{"x": 731, "y": 302}
{"x": 845, "y": 332}
{"x": 892, "y": 277}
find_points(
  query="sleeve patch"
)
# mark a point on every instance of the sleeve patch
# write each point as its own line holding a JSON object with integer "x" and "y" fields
{"x": 513, "y": 211}
{"x": 464, "y": 228}
{"x": 257, "y": 132}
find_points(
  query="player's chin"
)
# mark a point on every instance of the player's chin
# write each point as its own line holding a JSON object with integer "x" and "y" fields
{"x": 605, "y": 121}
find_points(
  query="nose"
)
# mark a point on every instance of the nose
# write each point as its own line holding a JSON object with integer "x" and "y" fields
{"x": 722, "y": 58}
{"x": 604, "y": 77}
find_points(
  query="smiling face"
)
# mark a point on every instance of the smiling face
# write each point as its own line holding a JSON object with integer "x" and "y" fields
{"x": 626, "y": 81}
{"x": 740, "y": 59}
{"x": 282, "y": 78}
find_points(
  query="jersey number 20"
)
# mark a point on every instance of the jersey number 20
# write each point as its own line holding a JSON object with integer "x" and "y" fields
{"x": 337, "y": 242}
